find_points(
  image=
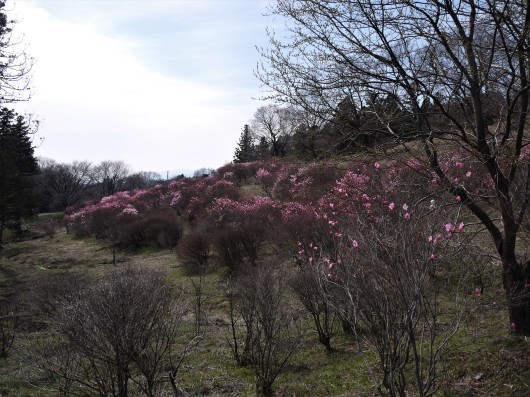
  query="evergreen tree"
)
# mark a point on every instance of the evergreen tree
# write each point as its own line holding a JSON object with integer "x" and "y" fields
{"x": 245, "y": 150}
{"x": 263, "y": 150}
{"x": 17, "y": 167}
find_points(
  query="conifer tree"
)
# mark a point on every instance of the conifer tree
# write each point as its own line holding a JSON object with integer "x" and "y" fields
{"x": 17, "y": 167}
{"x": 245, "y": 150}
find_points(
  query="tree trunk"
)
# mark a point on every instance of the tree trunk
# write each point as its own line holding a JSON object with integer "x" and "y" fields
{"x": 177, "y": 392}
{"x": 517, "y": 288}
{"x": 264, "y": 389}
{"x": 2, "y": 224}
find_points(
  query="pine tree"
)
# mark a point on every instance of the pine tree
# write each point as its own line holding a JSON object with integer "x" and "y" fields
{"x": 245, "y": 150}
{"x": 17, "y": 167}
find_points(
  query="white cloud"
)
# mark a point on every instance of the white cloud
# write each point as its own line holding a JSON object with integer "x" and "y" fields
{"x": 99, "y": 99}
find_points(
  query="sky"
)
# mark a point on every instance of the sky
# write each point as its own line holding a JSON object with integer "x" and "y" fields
{"x": 164, "y": 85}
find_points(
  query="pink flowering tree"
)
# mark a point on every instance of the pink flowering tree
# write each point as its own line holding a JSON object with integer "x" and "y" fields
{"x": 377, "y": 261}
{"x": 241, "y": 228}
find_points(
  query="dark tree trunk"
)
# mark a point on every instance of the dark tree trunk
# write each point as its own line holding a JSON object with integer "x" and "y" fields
{"x": 264, "y": 389}
{"x": 2, "y": 224}
{"x": 326, "y": 341}
{"x": 517, "y": 288}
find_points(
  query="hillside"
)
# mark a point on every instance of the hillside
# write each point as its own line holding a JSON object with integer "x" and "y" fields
{"x": 269, "y": 223}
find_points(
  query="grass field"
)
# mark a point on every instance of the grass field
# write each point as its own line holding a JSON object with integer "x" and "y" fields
{"x": 483, "y": 359}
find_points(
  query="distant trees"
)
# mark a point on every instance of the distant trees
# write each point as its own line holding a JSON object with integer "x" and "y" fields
{"x": 17, "y": 166}
{"x": 205, "y": 171}
{"x": 275, "y": 126}
{"x": 111, "y": 176}
{"x": 141, "y": 180}
{"x": 292, "y": 131}
{"x": 61, "y": 185}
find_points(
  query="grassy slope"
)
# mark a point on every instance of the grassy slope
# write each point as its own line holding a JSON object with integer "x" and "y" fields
{"x": 484, "y": 359}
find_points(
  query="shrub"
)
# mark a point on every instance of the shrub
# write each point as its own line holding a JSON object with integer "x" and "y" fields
{"x": 194, "y": 251}
{"x": 269, "y": 333}
{"x": 160, "y": 227}
{"x": 120, "y": 333}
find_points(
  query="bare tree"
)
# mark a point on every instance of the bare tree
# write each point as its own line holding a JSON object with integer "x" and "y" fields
{"x": 62, "y": 185}
{"x": 316, "y": 293}
{"x": 15, "y": 65}
{"x": 276, "y": 125}
{"x": 120, "y": 332}
{"x": 459, "y": 69}
{"x": 270, "y": 332}
{"x": 142, "y": 180}
{"x": 111, "y": 175}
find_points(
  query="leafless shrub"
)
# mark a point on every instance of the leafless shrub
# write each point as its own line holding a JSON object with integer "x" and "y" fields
{"x": 120, "y": 331}
{"x": 50, "y": 227}
{"x": 194, "y": 251}
{"x": 271, "y": 332}
{"x": 317, "y": 295}
{"x": 228, "y": 245}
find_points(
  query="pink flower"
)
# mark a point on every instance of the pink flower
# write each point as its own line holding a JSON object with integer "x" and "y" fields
{"x": 355, "y": 244}
{"x": 432, "y": 257}
{"x": 512, "y": 326}
{"x": 405, "y": 207}
{"x": 478, "y": 292}
{"x": 494, "y": 303}
{"x": 468, "y": 174}
{"x": 377, "y": 165}
{"x": 392, "y": 205}
{"x": 459, "y": 164}
{"x": 407, "y": 215}
{"x": 429, "y": 239}
{"x": 449, "y": 227}
{"x": 458, "y": 198}
{"x": 460, "y": 226}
